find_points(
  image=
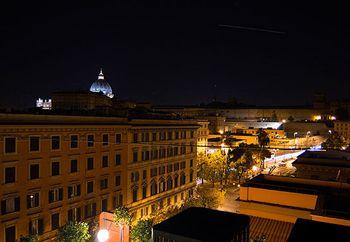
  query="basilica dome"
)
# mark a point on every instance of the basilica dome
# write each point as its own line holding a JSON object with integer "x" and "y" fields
{"x": 101, "y": 85}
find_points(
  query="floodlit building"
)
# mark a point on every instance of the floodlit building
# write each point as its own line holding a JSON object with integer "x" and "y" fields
{"x": 343, "y": 128}
{"x": 45, "y": 104}
{"x": 202, "y": 137}
{"x": 101, "y": 85}
{"x": 60, "y": 168}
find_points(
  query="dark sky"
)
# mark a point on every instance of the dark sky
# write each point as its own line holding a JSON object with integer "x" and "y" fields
{"x": 173, "y": 52}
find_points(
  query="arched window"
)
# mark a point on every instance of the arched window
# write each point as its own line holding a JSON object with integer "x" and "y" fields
{"x": 161, "y": 185}
{"x": 169, "y": 183}
{"x": 176, "y": 180}
{"x": 182, "y": 179}
{"x": 153, "y": 188}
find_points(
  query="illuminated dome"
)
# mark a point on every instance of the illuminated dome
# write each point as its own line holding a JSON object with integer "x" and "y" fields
{"x": 101, "y": 85}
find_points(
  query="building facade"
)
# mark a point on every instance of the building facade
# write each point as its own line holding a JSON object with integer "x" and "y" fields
{"x": 343, "y": 128}
{"x": 202, "y": 137}
{"x": 60, "y": 168}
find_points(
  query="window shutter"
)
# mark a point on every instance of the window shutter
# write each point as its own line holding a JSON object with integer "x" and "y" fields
{"x": 94, "y": 209}
{"x": 70, "y": 192}
{"x": 78, "y": 190}
{"x": 3, "y": 207}
{"x": 17, "y": 204}
{"x": 28, "y": 201}
{"x": 79, "y": 214}
{"x": 40, "y": 226}
{"x": 30, "y": 227}
{"x": 50, "y": 196}
{"x": 70, "y": 214}
{"x": 60, "y": 194}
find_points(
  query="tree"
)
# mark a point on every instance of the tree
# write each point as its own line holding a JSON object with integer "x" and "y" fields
{"x": 205, "y": 197}
{"x": 142, "y": 231}
{"x": 29, "y": 238}
{"x": 242, "y": 165}
{"x": 121, "y": 218}
{"x": 334, "y": 142}
{"x": 263, "y": 138}
{"x": 74, "y": 232}
{"x": 202, "y": 161}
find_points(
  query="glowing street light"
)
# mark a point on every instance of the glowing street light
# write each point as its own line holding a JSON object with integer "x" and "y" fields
{"x": 284, "y": 121}
{"x": 255, "y": 168}
{"x": 103, "y": 235}
{"x": 333, "y": 118}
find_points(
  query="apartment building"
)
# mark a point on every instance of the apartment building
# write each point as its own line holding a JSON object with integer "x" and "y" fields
{"x": 343, "y": 128}
{"x": 203, "y": 134}
{"x": 60, "y": 168}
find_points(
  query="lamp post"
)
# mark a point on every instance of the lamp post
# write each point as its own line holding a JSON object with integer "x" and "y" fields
{"x": 295, "y": 142}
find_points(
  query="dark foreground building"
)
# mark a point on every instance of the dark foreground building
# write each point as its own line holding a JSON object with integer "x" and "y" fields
{"x": 308, "y": 230}
{"x": 201, "y": 224}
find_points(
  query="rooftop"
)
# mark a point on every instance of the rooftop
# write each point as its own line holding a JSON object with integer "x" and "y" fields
{"x": 204, "y": 224}
{"x": 332, "y": 158}
{"x": 308, "y": 230}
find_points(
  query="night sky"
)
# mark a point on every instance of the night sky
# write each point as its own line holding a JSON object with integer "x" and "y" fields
{"x": 174, "y": 52}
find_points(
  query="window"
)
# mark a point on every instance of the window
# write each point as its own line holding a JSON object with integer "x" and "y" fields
{"x": 73, "y": 166}
{"x": 90, "y": 140}
{"x": 34, "y": 143}
{"x": 144, "y": 192}
{"x": 161, "y": 185}
{"x": 118, "y": 138}
{"x": 183, "y": 165}
{"x": 170, "y": 135}
{"x": 10, "y": 234}
{"x": 134, "y": 194}
{"x": 135, "y": 138}
{"x": 55, "y": 195}
{"x": 90, "y": 210}
{"x": 154, "y": 154}
{"x": 105, "y": 139}
{"x": 191, "y": 163}
{"x": 161, "y": 170}
{"x": 182, "y": 179}
{"x": 118, "y": 159}
{"x": 36, "y": 226}
{"x": 169, "y": 183}
{"x": 191, "y": 176}
{"x": 192, "y": 134}
{"x": 90, "y": 187}
{"x": 176, "y": 166}
{"x": 135, "y": 156}
{"x": 154, "y": 136}
{"x": 55, "y": 168}
{"x": 10, "y": 145}
{"x": 105, "y": 161}
{"x": 144, "y": 174}
{"x": 117, "y": 180}
{"x": 55, "y": 142}
{"x": 134, "y": 176}
{"x": 153, "y": 188}
{"x": 33, "y": 200}
{"x": 104, "y": 183}
{"x": 118, "y": 200}
{"x": 90, "y": 163}
{"x": 74, "y": 191}
{"x": 176, "y": 181}
{"x": 145, "y": 155}
{"x": 170, "y": 168}
{"x": 74, "y": 214}
{"x": 73, "y": 141}
{"x": 104, "y": 205}
{"x": 34, "y": 171}
{"x": 10, "y": 205}
{"x": 177, "y": 135}
{"x": 153, "y": 172}
{"x": 10, "y": 175}
{"x": 55, "y": 221}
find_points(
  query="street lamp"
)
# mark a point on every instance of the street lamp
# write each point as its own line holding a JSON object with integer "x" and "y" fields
{"x": 103, "y": 235}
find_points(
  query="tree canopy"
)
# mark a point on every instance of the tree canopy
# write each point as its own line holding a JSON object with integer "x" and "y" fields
{"x": 74, "y": 232}
{"x": 122, "y": 216}
{"x": 142, "y": 231}
{"x": 334, "y": 142}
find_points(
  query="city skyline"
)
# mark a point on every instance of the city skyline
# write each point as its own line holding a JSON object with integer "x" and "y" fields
{"x": 153, "y": 52}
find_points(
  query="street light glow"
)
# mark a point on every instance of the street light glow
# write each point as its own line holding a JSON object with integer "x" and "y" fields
{"x": 103, "y": 235}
